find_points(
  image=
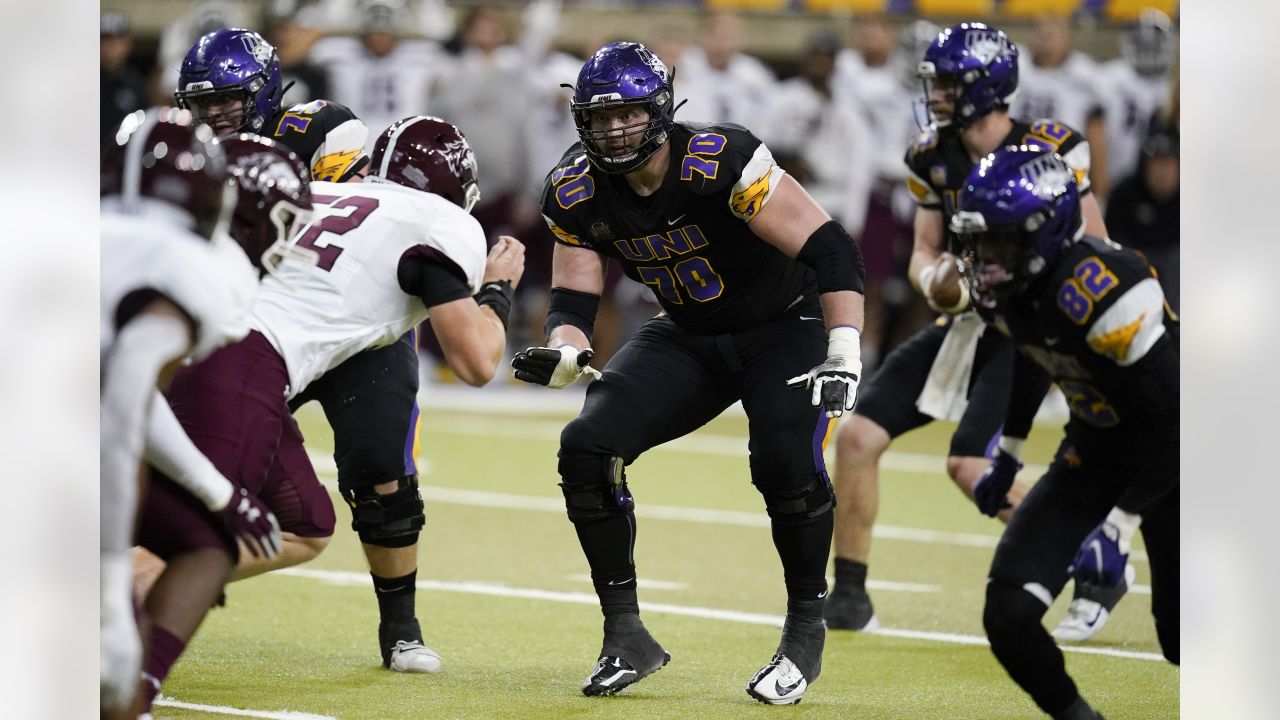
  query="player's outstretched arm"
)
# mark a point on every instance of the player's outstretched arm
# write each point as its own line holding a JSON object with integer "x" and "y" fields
{"x": 577, "y": 281}
{"x": 473, "y": 331}
{"x": 799, "y": 227}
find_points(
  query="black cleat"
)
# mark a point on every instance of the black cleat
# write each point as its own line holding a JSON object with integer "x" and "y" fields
{"x": 849, "y": 608}
{"x": 629, "y": 655}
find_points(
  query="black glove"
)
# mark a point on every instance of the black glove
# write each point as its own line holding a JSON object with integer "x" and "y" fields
{"x": 553, "y": 367}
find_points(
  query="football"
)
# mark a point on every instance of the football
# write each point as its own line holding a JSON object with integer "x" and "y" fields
{"x": 948, "y": 291}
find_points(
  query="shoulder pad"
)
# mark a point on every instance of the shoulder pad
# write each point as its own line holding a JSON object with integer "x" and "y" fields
{"x": 327, "y": 136}
{"x": 926, "y": 140}
{"x": 1113, "y": 293}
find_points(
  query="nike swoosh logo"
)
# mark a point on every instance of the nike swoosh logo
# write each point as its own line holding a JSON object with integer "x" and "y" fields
{"x": 676, "y": 219}
{"x": 806, "y": 317}
{"x": 783, "y": 690}
{"x": 623, "y": 582}
{"x": 822, "y": 594}
{"x": 391, "y": 590}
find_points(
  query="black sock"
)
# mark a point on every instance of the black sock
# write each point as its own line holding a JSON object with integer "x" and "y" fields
{"x": 803, "y": 547}
{"x": 396, "y": 597}
{"x": 608, "y": 545}
{"x": 851, "y": 574}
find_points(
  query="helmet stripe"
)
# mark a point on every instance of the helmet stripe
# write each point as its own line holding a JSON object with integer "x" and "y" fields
{"x": 391, "y": 144}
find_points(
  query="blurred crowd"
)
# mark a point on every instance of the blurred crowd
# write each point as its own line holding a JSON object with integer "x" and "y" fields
{"x": 840, "y": 125}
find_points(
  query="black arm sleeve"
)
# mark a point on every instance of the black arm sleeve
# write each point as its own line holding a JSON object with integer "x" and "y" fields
{"x": 835, "y": 257}
{"x": 432, "y": 276}
{"x": 1029, "y": 385}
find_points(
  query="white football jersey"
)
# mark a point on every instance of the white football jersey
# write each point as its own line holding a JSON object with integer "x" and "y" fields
{"x": 212, "y": 281}
{"x": 319, "y": 313}
{"x": 380, "y": 90}
{"x": 1132, "y": 101}
{"x": 1068, "y": 93}
{"x": 738, "y": 94}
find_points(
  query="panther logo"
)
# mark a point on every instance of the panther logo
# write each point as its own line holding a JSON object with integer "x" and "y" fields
{"x": 260, "y": 49}
{"x": 1047, "y": 175}
{"x": 985, "y": 45}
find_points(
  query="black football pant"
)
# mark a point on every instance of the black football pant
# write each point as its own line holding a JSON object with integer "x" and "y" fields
{"x": 889, "y": 397}
{"x": 1031, "y": 561}
{"x": 665, "y": 383}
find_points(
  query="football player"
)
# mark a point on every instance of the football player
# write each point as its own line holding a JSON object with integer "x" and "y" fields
{"x": 231, "y": 77}
{"x": 270, "y": 194}
{"x": 953, "y": 369}
{"x": 1090, "y": 317}
{"x": 378, "y": 258}
{"x": 1140, "y": 81}
{"x": 174, "y": 285}
{"x": 758, "y": 287}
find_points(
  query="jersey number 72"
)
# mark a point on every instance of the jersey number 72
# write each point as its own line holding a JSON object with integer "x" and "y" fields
{"x": 327, "y": 255}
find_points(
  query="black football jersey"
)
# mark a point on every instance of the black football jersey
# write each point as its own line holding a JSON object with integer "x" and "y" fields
{"x": 1093, "y": 325}
{"x": 937, "y": 164}
{"x": 689, "y": 241}
{"x": 326, "y": 136}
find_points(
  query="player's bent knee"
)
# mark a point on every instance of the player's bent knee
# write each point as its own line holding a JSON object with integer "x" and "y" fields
{"x": 1012, "y": 613}
{"x": 387, "y": 519}
{"x": 965, "y": 471}
{"x": 594, "y": 487}
{"x": 800, "y": 505}
{"x": 861, "y": 438}
{"x": 313, "y": 546}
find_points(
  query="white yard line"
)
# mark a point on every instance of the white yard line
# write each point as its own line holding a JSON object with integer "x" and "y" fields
{"x": 222, "y": 710}
{"x": 699, "y": 442}
{"x": 482, "y": 498}
{"x": 335, "y": 577}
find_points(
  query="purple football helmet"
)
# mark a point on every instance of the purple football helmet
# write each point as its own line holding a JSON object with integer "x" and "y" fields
{"x": 977, "y": 65}
{"x": 623, "y": 74}
{"x": 225, "y": 67}
{"x": 1018, "y": 210}
{"x": 274, "y": 198}
{"x": 428, "y": 154}
{"x": 163, "y": 155}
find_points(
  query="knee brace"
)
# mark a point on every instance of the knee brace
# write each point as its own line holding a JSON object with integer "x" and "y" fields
{"x": 595, "y": 488}
{"x": 798, "y": 506}
{"x": 1011, "y": 613}
{"x": 392, "y": 520}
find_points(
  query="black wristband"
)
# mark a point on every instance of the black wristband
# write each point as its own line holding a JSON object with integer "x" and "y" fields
{"x": 571, "y": 307}
{"x": 498, "y": 296}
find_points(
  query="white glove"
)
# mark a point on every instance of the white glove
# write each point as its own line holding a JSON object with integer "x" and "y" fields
{"x": 835, "y": 382}
{"x": 121, "y": 645}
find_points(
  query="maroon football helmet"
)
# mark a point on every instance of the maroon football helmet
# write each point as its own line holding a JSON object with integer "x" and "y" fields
{"x": 274, "y": 197}
{"x": 164, "y": 155}
{"x": 429, "y": 154}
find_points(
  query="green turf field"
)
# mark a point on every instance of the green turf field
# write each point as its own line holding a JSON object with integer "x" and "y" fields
{"x": 506, "y": 602}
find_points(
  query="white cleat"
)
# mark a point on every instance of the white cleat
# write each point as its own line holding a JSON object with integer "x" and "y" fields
{"x": 778, "y": 683}
{"x": 410, "y": 656}
{"x": 1086, "y": 617}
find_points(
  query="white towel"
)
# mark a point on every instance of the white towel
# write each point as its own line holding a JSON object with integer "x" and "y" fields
{"x": 946, "y": 393}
